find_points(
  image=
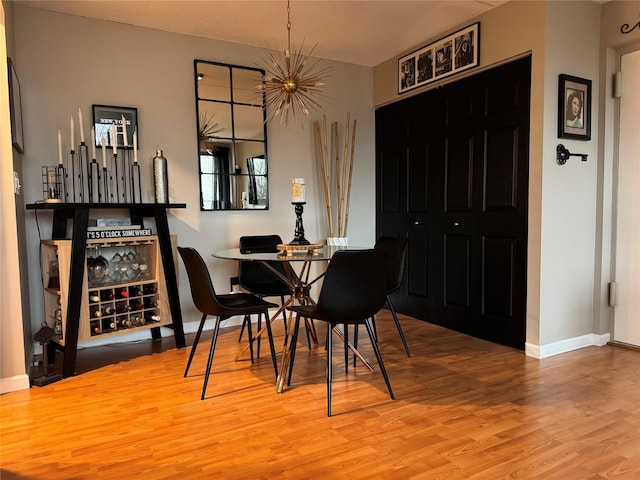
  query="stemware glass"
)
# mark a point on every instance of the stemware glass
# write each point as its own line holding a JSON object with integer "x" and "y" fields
{"x": 125, "y": 267}
{"x": 91, "y": 265}
{"x": 143, "y": 268}
{"x": 100, "y": 267}
{"x": 116, "y": 260}
{"x": 134, "y": 266}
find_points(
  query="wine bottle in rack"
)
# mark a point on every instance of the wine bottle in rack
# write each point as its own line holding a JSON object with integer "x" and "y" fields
{"x": 96, "y": 312}
{"x": 122, "y": 293}
{"x": 150, "y": 303}
{"x": 135, "y": 305}
{"x": 108, "y": 310}
{"x": 152, "y": 317}
{"x": 94, "y": 297}
{"x": 95, "y": 328}
{"x": 122, "y": 307}
{"x": 106, "y": 295}
{"x": 134, "y": 291}
{"x": 150, "y": 289}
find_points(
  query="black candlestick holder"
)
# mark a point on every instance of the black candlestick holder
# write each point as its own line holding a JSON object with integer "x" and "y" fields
{"x": 103, "y": 193}
{"x": 122, "y": 169}
{"x": 82, "y": 173}
{"x": 93, "y": 181}
{"x": 134, "y": 183}
{"x": 299, "y": 233}
{"x": 62, "y": 175}
{"x": 77, "y": 180}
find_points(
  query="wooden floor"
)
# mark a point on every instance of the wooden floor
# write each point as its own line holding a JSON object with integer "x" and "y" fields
{"x": 465, "y": 409}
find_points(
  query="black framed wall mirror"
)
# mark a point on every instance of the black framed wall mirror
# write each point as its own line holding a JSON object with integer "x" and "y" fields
{"x": 232, "y": 137}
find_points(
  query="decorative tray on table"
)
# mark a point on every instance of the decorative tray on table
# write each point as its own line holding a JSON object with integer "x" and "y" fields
{"x": 309, "y": 249}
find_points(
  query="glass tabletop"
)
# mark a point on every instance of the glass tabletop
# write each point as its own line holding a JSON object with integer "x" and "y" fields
{"x": 323, "y": 253}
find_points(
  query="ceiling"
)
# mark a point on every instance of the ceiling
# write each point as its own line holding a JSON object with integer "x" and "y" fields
{"x": 362, "y": 32}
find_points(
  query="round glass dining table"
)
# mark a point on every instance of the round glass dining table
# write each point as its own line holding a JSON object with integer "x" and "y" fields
{"x": 299, "y": 283}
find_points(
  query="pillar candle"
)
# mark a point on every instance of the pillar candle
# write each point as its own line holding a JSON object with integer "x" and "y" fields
{"x": 59, "y": 148}
{"x": 104, "y": 152}
{"x": 93, "y": 143}
{"x": 297, "y": 194}
{"x": 114, "y": 138}
{"x": 125, "y": 137}
{"x": 72, "y": 139}
{"x": 135, "y": 145}
{"x": 81, "y": 127}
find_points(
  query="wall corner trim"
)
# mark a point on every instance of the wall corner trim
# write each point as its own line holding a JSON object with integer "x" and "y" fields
{"x": 15, "y": 383}
{"x": 567, "y": 345}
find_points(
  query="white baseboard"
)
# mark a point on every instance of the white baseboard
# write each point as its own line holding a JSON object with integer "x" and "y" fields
{"x": 567, "y": 345}
{"x": 15, "y": 383}
{"x": 189, "y": 327}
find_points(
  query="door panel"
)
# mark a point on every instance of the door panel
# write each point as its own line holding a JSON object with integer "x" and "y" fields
{"x": 627, "y": 253}
{"x": 455, "y": 160}
{"x": 498, "y": 274}
{"x": 459, "y": 174}
{"x": 501, "y": 165}
{"x": 457, "y": 271}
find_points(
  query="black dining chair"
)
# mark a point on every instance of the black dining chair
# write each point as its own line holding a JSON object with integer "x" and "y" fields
{"x": 258, "y": 279}
{"x": 395, "y": 251}
{"x": 353, "y": 291}
{"x": 221, "y": 306}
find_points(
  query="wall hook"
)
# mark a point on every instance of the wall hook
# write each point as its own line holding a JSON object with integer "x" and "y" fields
{"x": 562, "y": 155}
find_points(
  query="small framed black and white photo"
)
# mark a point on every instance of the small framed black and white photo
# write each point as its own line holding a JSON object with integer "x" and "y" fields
{"x": 574, "y": 107}
{"x": 113, "y": 123}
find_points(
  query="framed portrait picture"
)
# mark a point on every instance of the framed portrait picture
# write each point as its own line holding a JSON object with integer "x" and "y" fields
{"x": 574, "y": 107}
{"x": 450, "y": 55}
{"x": 110, "y": 122}
{"x": 15, "y": 107}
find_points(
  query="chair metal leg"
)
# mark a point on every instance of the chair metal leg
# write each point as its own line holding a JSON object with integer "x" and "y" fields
{"x": 375, "y": 327}
{"x": 195, "y": 343}
{"x": 294, "y": 342}
{"x": 244, "y": 324}
{"x": 395, "y": 319}
{"x": 272, "y": 348}
{"x": 355, "y": 342}
{"x": 379, "y": 357}
{"x": 247, "y": 318}
{"x": 329, "y": 372}
{"x": 210, "y": 359}
{"x": 346, "y": 348}
{"x": 259, "y": 338}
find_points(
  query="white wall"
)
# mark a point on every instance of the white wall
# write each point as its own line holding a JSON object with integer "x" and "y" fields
{"x": 569, "y": 191}
{"x": 70, "y": 62}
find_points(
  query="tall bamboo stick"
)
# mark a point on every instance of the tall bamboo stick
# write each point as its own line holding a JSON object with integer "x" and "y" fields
{"x": 344, "y": 173}
{"x": 324, "y": 173}
{"x": 336, "y": 142}
{"x": 327, "y": 180}
{"x": 353, "y": 146}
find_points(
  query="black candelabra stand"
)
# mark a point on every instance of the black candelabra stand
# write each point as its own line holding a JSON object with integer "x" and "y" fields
{"x": 134, "y": 183}
{"x": 299, "y": 233}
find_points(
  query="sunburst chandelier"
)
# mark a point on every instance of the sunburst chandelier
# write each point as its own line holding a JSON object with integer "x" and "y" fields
{"x": 293, "y": 81}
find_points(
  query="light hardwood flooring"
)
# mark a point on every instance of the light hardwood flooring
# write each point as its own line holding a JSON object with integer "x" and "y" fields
{"x": 465, "y": 409}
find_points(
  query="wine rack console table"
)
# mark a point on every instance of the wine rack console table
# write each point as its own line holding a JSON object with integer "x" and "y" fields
{"x": 78, "y": 213}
